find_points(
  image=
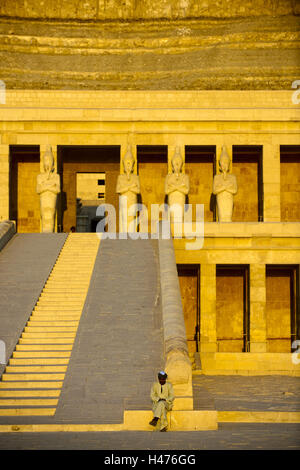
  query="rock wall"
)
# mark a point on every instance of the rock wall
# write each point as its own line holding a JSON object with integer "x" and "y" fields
{"x": 146, "y": 9}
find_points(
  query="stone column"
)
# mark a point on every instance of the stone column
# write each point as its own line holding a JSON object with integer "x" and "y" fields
{"x": 271, "y": 182}
{"x": 208, "y": 324}
{"x": 258, "y": 325}
{"x": 4, "y": 182}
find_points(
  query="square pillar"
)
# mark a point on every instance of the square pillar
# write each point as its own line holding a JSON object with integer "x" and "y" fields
{"x": 4, "y": 182}
{"x": 258, "y": 324}
{"x": 271, "y": 182}
{"x": 208, "y": 324}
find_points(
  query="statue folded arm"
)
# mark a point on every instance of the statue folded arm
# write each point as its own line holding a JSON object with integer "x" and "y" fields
{"x": 186, "y": 185}
{"x": 44, "y": 185}
{"x": 232, "y": 185}
{"x": 220, "y": 184}
{"x": 124, "y": 185}
{"x": 135, "y": 186}
{"x": 169, "y": 188}
{"x": 183, "y": 186}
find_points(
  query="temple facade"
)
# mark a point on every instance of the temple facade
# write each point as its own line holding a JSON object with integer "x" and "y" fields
{"x": 157, "y": 93}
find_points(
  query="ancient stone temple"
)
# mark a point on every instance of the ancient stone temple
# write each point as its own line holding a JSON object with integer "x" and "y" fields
{"x": 180, "y": 102}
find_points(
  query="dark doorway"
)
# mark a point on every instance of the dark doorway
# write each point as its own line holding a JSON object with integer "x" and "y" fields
{"x": 75, "y": 161}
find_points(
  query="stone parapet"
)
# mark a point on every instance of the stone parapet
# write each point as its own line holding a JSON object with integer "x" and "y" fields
{"x": 178, "y": 365}
{"x": 7, "y": 231}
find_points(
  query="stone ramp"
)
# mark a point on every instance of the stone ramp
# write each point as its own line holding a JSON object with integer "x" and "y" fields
{"x": 25, "y": 264}
{"x": 119, "y": 343}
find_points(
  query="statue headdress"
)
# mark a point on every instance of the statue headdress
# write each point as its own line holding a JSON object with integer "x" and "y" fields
{"x": 225, "y": 156}
{"x": 177, "y": 154}
{"x": 128, "y": 155}
{"x": 49, "y": 155}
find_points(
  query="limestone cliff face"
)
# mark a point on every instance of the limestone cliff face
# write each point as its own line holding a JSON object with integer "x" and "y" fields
{"x": 149, "y": 44}
{"x": 146, "y": 9}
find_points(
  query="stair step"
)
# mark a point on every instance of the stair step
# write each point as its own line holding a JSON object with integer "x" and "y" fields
{"x": 61, "y": 289}
{"x": 28, "y": 402}
{"x": 62, "y": 295}
{"x": 45, "y": 341}
{"x": 52, "y": 311}
{"x": 59, "y": 303}
{"x": 44, "y": 347}
{"x": 29, "y": 384}
{"x": 51, "y": 323}
{"x": 29, "y": 393}
{"x": 28, "y": 412}
{"x": 38, "y": 361}
{"x": 31, "y": 377}
{"x": 56, "y": 310}
{"x": 49, "y": 335}
{"x": 41, "y": 318}
{"x": 49, "y": 329}
{"x": 26, "y": 369}
{"x": 41, "y": 354}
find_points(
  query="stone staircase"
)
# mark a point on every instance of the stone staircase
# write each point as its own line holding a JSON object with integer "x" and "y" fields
{"x": 32, "y": 382}
{"x": 96, "y": 325}
{"x": 93, "y": 344}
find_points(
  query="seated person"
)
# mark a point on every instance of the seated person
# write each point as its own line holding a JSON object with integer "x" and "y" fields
{"x": 162, "y": 396}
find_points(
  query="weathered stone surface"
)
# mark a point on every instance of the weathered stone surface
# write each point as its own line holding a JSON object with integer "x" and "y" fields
{"x": 208, "y": 54}
{"x": 147, "y": 9}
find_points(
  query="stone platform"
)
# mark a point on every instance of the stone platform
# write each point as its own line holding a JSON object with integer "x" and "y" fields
{"x": 264, "y": 394}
